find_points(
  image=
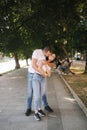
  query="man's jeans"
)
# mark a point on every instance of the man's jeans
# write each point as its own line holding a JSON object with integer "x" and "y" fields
{"x": 39, "y": 90}
{"x": 30, "y": 92}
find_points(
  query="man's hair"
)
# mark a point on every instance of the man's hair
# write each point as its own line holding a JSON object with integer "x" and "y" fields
{"x": 46, "y": 49}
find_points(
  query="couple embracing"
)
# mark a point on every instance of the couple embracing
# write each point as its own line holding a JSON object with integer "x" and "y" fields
{"x": 38, "y": 71}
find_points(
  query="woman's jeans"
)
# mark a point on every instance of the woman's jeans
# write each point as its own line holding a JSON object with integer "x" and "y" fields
{"x": 30, "y": 92}
{"x": 39, "y": 90}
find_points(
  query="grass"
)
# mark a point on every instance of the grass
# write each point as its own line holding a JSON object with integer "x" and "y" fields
{"x": 78, "y": 82}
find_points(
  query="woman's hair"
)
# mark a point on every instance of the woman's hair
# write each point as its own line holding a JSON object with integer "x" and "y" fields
{"x": 53, "y": 60}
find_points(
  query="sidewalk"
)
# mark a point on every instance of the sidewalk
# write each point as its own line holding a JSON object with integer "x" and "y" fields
{"x": 67, "y": 114}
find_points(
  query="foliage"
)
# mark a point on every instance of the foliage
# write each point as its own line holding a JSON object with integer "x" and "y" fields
{"x": 26, "y": 25}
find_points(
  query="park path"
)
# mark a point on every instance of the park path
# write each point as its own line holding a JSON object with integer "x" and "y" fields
{"x": 67, "y": 114}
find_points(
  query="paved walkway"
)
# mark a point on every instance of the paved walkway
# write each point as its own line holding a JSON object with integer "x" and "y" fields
{"x": 13, "y": 91}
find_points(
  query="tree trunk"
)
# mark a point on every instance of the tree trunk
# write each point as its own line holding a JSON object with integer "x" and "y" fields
{"x": 86, "y": 63}
{"x": 17, "y": 66}
{"x": 65, "y": 51}
{"x": 27, "y": 62}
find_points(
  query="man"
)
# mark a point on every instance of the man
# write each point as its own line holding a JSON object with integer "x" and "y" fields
{"x": 31, "y": 72}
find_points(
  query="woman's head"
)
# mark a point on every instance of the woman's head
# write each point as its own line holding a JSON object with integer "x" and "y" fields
{"x": 52, "y": 57}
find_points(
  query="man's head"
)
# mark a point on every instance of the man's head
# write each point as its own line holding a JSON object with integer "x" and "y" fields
{"x": 47, "y": 51}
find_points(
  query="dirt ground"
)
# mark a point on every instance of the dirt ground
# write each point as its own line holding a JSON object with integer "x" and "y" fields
{"x": 78, "y": 82}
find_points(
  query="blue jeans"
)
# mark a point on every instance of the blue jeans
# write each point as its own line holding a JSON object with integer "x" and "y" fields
{"x": 64, "y": 68}
{"x": 39, "y": 90}
{"x": 30, "y": 92}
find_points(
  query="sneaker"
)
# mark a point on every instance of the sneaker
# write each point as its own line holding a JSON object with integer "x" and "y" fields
{"x": 28, "y": 112}
{"x": 37, "y": 117}
{"x": 47, "y": 108}
{"x": 41, "y": 113}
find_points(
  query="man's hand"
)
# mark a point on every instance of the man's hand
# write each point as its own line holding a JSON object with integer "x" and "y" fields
{"x": 44, "y": 74}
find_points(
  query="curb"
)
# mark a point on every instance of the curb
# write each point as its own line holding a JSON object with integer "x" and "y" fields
{"x": 81, "y": 104}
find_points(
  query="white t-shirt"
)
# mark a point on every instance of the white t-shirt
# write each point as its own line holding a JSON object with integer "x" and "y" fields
{"x": 37, "y": 54}
{"x": 30, "y": 68}
{"x": 44, "y": 67}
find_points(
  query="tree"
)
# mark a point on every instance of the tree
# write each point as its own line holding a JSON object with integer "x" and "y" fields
{"x": 80, "y": 34}
{"x": 40, "y": 22}
{"x": 10, "y": 27}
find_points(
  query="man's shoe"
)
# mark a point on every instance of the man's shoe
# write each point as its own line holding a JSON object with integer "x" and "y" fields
{"x": 41, "y": 113}
{"x": 37, "y": 117}
{"x": 48, "y": 108}
{"x": 28, "y": 112}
